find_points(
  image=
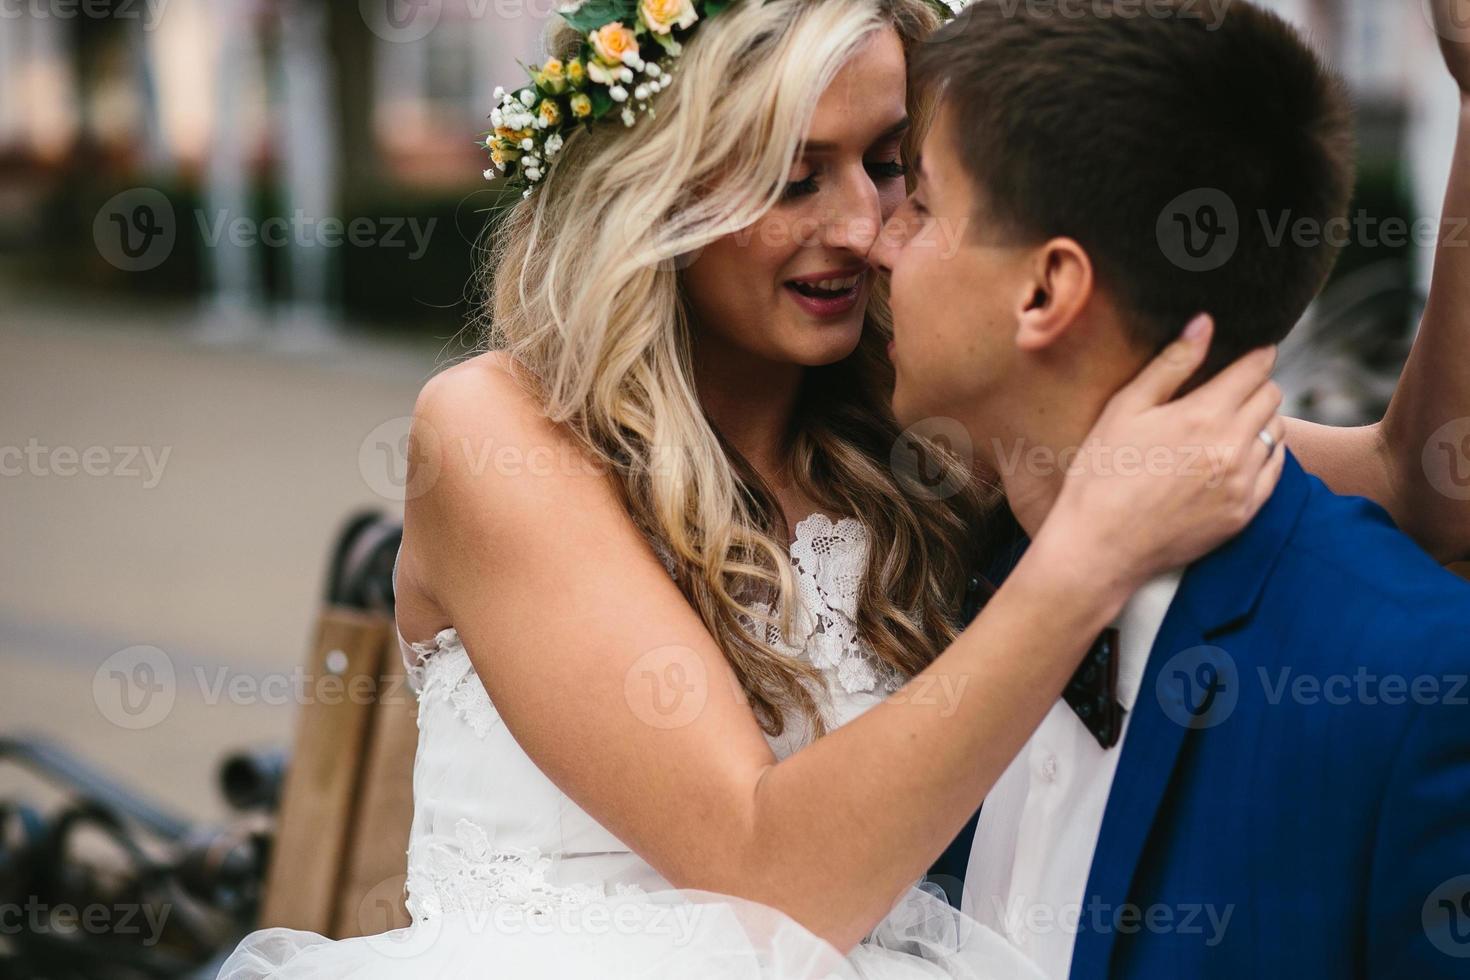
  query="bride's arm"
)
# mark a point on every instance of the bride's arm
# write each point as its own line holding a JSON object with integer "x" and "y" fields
{"x": 609, "y": 681}
{"x": 1386, "y": 462}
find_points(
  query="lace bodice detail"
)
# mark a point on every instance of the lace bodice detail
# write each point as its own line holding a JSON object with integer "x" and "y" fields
{"x": 828, "y": 558}
{"x": 491, "y": 831}
{"x": 470, "y": 874}
{"x": 453, "y": 680}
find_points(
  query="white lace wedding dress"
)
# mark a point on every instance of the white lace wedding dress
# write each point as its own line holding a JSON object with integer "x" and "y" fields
{"x": 507, "y": 877}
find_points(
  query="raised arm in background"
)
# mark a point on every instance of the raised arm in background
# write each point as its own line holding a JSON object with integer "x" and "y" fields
{"x": 1386, "y": 461}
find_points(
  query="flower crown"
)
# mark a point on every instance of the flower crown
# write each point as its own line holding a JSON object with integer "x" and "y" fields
{"x": 619, "y": 68}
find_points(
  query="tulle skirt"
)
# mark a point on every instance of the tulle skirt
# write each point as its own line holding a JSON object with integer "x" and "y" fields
{"x": 666, "y": 935}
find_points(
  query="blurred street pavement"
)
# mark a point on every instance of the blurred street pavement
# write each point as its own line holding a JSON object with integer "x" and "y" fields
{"x": 163, "y": 491}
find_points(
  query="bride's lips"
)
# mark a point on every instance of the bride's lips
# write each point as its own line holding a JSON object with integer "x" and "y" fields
{"x": 828, "y": 302}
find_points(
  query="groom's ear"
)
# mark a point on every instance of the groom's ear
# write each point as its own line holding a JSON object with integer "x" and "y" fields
{"x": 1059, "y": 288}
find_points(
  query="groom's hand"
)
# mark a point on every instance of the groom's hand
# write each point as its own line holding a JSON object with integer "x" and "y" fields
{"x": 1452, "y": 24}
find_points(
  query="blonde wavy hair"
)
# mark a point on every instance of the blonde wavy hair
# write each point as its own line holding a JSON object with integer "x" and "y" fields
{"x": 584, "y": 294}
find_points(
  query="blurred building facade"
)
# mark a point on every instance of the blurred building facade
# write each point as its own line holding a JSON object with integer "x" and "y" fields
{"x": 311, "y": 110}
{"x": 163, "y": 84}
{"x": 331, "y": 107}
{"x": 1407, "y": 104}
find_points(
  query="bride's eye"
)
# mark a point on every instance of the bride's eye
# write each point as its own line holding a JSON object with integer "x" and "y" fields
{"x": 880, "y": 170}
{"x": 801, "y": 188}
{"x": 888, "y": 170}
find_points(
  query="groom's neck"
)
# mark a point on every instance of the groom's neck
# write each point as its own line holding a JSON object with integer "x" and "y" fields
{"x": 1033, "y": 458}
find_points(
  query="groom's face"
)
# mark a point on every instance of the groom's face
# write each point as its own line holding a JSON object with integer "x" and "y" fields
{"x": 956, "y": 294}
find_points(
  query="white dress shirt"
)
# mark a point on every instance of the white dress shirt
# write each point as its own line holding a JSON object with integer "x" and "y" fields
{"x": 1033, "y": 849}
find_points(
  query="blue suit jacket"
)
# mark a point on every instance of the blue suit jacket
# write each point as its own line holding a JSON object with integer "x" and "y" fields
{"x": 1293, "y": 797}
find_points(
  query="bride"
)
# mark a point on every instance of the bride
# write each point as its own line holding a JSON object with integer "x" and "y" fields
{"x": 693, "y": 700}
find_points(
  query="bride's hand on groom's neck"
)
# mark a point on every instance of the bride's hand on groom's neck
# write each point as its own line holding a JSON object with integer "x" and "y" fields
{"x": 1161, "y": 481}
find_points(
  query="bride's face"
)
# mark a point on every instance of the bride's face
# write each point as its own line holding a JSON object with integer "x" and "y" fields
{"x": 793, "y": 287}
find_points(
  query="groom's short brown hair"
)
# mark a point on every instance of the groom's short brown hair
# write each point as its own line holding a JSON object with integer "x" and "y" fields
{"x": 1136, "y": 128}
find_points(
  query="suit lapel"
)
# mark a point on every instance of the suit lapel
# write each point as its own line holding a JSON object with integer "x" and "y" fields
{"x": 1186, "y": 687}
{"x": 1151, "y": 749}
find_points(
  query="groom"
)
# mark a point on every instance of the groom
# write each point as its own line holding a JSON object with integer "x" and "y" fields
{"x": 1286, "y": 789}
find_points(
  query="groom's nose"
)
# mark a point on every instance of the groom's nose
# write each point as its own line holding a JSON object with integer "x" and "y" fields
{"x": 890, "y": 238}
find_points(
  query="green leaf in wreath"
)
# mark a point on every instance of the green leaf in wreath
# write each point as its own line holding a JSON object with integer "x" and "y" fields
{"x": 669, "y": 44}
{"x": 602, "y": 103}
{"x": 598, "y": 13}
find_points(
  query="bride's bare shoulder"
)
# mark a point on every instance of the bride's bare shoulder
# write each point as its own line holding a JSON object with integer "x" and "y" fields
{"x": 487, "y": 409}
{"x": 496, "y": 489}
{"x": 479, "y": 429}
{"x": 461, "y": 394}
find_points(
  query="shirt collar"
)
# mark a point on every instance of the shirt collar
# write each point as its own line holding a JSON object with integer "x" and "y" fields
{"x": 1138, "y": 626}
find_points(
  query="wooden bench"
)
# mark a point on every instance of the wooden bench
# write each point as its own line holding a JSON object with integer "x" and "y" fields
{"x": 339, "y": 857}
